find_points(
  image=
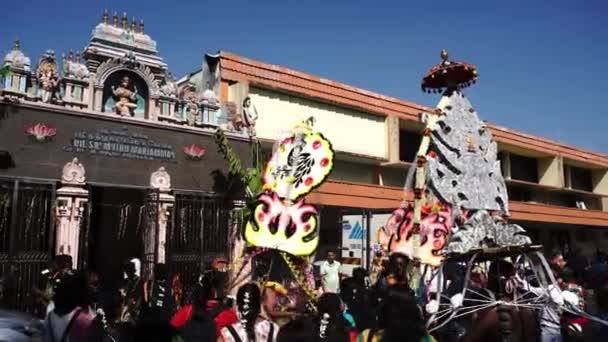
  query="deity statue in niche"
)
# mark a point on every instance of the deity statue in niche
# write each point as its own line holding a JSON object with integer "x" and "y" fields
{"x": 48, "y": 78}
{"x": 126, "y": 99}
{"x": 191, "y": 109}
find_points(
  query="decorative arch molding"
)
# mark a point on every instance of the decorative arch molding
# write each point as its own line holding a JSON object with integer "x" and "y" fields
{"x": 161, "y": 180}
{"x": 113, "y": 65}
{"x": 73, "y": 173}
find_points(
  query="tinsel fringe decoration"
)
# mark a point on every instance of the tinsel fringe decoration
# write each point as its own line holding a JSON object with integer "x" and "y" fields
{"x": 300, "y": 278}
{"x": 241, "y": 262}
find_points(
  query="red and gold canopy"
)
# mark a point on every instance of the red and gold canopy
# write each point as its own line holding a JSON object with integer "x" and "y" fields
{"x": 448, "y": 75}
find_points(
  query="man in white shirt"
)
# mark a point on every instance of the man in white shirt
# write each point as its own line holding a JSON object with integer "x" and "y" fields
{"x": 330, "y": 274}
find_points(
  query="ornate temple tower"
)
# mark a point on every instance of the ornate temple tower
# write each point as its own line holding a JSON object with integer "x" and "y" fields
{"x": 125, "y": 56}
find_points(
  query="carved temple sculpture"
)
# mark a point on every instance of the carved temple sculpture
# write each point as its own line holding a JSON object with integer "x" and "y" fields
{"x": 72, "y": 199}
{"x": 191, "y": 106}
{"x": 158, "y": 210}
{"x": 120, "y": 72}
{"x": 48, "y": 78}
{"x": 126, "y": 97}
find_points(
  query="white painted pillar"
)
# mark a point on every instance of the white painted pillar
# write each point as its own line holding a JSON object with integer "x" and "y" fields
{"x": 72, "y": 198}
{"x": 97, "y": 98}
{"x": 161, "y": 181}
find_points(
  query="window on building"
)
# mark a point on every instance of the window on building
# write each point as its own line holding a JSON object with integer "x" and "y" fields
{"x": 164, "y": 108}
{"x": 580, "y": 179}
{"x": 534, "y": 234}
{"x": 501, "y": 156}
{"x": 583, "y": 235}
{"x": 77, "y": 93}
{"x": 519, "y": 193}
{"x": 524, "y": 168}
{"x": 408, "y": 145}
{"x": 330, "y": 226}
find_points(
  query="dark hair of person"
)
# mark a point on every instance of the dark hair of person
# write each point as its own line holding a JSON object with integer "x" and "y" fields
{"x": 601, "y": 256}
{"x": 153, "y": 330}
{"x": 205, "y": 290}
{"x": 359, "y": 300}
{"x": 397, "y": 266}
{"x": 568, "y": 275}
{"x": 398, "y": 261}
{"x": 161, "y": 272}
{"x": 602, "y": 299}
{"x": 248, "y": 301}
{"x": 555, "y": 255}
{"x": 332, "y": 325}
{"x": 500, "y": 271}
{"x": 297, "y": 330}
{"x": 93, "y": 284}
{"x": 199, "y": 299}
{"x": 400, "y": 317}
{"x": 129, "y": 268}
{"x": 160, "y": 303}
{"x": 453, "y": 270}
{"x": 359, "y": 275}
{"x": 63, "y": 261}
{"x": 71, "y": 292}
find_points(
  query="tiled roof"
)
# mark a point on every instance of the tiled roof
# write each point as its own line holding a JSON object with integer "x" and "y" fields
{"x": 269, "y": 76}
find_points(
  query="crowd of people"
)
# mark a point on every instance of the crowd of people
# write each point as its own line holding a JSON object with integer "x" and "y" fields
{"x": 375, "y": 306}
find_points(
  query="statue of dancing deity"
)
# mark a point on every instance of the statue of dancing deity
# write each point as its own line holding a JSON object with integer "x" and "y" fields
{"x": 125, "y": 98}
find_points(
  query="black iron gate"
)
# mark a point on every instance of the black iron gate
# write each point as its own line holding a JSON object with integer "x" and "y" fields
{"x": 26, "y": 239}
{"x": 197, "y": 233}
{"x": 150, "y": 231}
{"x": 84, "y": 237}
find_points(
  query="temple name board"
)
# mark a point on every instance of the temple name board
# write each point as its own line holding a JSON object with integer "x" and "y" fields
{"x": 120, "y": 143}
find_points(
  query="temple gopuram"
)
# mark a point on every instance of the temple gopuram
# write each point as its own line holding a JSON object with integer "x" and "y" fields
{"x": 105, "y": 156}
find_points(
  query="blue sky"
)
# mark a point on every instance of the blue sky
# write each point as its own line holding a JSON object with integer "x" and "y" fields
{"x": 541, "y": 63}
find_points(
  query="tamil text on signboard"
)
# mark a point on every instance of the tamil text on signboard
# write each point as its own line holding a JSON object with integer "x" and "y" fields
{"x": 119, "y": 143}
